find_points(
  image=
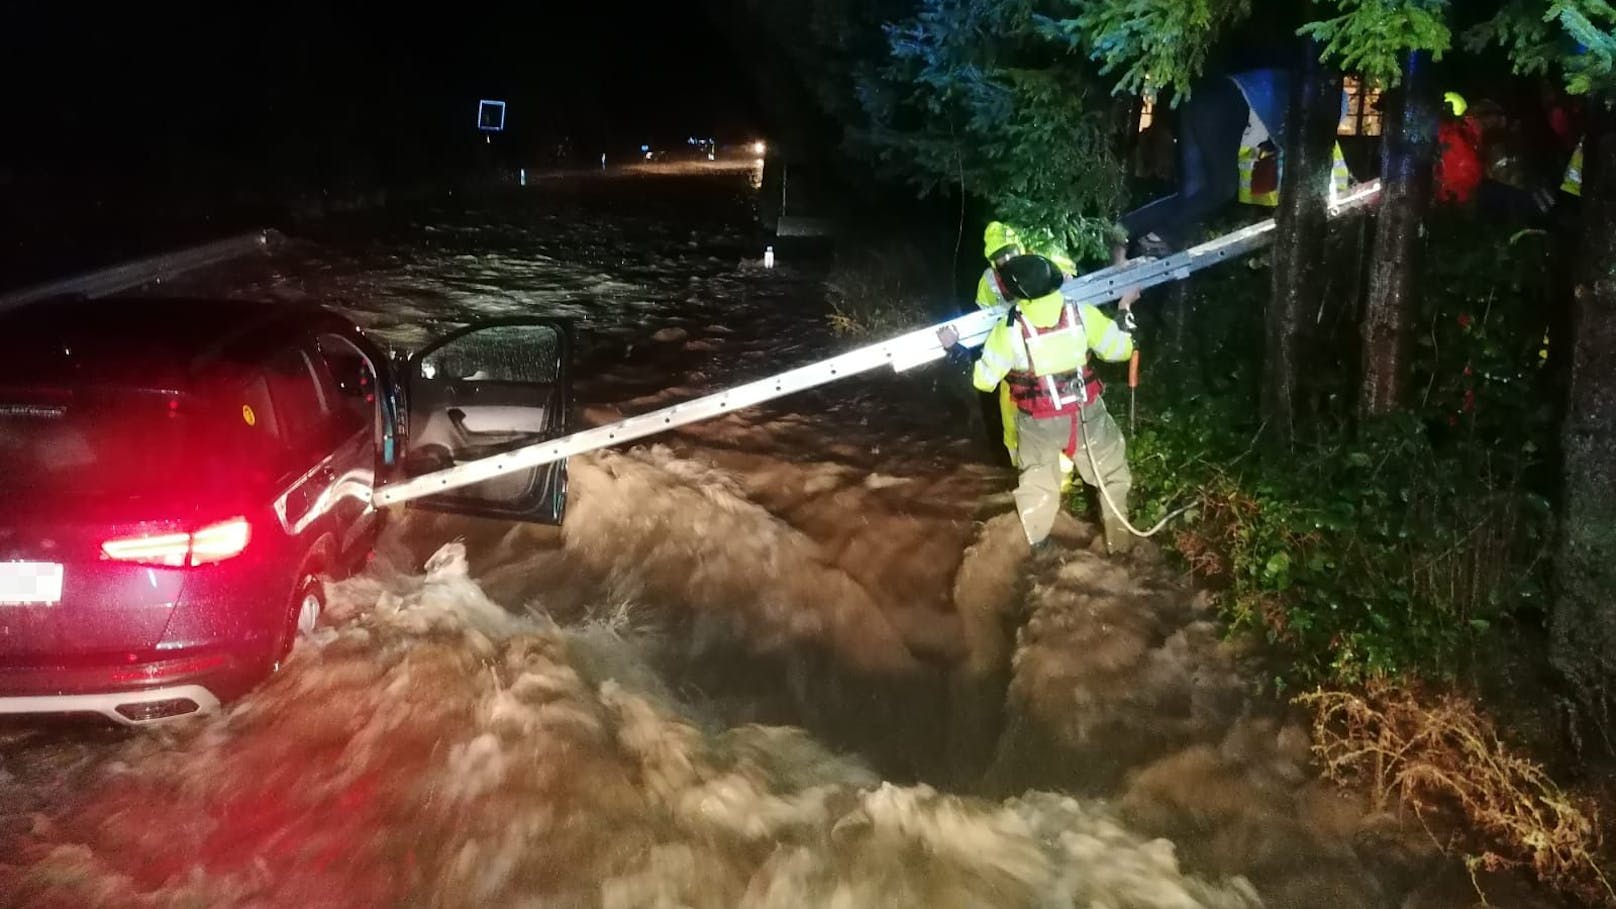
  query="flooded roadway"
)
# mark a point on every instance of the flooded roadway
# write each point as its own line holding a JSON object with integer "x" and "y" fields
{"x": 796, "y": 656}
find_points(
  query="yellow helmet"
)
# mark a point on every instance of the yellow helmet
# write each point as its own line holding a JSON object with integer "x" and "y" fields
{"x": 1455, "y": 103}
{"x": 998, "y": 239}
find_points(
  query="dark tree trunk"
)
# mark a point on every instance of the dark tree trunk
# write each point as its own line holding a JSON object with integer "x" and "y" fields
{"x": 1179, "y": 300}
{"x": 1299, "y": 242}
{"x": 1583, "y": 620}
{"x": 1126, "y": 113}
{"x": 1405, "y": 173}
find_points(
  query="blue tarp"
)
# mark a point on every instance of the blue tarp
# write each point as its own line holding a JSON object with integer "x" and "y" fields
{"x": 1268, "y": 92}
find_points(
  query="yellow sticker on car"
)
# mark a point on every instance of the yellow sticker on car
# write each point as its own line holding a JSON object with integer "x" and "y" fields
{"x": 247, "y": 415}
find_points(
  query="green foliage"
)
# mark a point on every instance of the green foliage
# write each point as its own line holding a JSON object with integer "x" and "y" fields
{"x": 1539, "y": 36}
{"x": 1361, "y": 559}
{"x": 1160, "y": 44}
{"x": 974, "y": 95}
{"x": 1157, "y": 44}
{"x": 1370, "y": 35}
{"x": 1390, "y": 550}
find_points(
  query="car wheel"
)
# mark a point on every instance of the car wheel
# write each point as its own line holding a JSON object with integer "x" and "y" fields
{"x": 308, "y": 607}
{"x": 303, "y": 616}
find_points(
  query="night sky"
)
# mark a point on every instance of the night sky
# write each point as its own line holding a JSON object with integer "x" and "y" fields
{"x": 84, "y": 88}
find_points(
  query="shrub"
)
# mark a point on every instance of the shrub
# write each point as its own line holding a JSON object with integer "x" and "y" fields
{"x": 881, "y": 290}
{"x": 1440, "y": 755}
{"x": 1361, "y": 558}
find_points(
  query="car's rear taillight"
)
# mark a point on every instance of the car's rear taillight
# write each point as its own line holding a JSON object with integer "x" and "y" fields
{"x": 213, "y": 543}
{"x": 217, "y": 542}
{"x": 154, "y": 549}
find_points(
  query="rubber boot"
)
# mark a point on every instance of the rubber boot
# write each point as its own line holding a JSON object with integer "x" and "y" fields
{"x": 1118, "y": 538}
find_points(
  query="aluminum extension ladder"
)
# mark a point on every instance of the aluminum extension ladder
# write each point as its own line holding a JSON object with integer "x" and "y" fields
{"x": 901, "y": 353}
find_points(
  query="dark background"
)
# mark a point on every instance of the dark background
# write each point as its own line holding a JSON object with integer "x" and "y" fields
{"x": 190, "y": 93}
{"x": 133, "y": 128}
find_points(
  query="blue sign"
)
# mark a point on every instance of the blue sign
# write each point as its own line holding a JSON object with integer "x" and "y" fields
{"x": 491, "y": 116}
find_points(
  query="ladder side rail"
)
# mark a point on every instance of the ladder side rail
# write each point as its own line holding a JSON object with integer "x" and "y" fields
{"x": 901, "y": 352}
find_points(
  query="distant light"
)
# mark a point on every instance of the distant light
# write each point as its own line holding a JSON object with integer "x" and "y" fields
{"x": 758, "y": 148}
{"x": 645, "y": 148}
{"x": 710, "y": 156}
{"x": 760, "y": 162}
{"x": 522, "y": 176}
{"x": 768, "y": 257}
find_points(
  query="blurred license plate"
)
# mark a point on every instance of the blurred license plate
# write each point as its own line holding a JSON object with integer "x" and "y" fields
{"x": 36, "y": 583}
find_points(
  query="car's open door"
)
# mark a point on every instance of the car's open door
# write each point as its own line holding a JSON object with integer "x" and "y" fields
{"x": 486, "y": 389}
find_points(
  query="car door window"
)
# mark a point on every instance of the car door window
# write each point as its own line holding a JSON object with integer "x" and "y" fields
{"x": 497, "y": 353}
{"x": 300, "y": 404}
{"x": 484, "y": 390}
{"x": 237, "y": 436}
{"x": 351, "y": 386}
{"x": 258, "y": 414}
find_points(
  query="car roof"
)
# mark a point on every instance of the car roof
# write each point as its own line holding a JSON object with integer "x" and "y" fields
{"x": 147, "y": 342}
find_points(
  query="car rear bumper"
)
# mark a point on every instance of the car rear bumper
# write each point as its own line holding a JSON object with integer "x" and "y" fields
{"x": 147, "y": 707}
{"x": 131, "y": 693}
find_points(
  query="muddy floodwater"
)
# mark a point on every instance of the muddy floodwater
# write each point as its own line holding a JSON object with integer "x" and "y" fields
{"x": 798, "y": 656}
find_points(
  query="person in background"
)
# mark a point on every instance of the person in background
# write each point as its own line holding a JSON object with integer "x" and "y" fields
{"x": 1230, "y": 142}
{"x": 1509, "y": 187}
{"x": 1458, "y": 166}
{"x": 1564, "y": 115}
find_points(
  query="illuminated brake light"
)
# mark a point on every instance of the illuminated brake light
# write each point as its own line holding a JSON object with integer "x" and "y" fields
{"x": 217, "y": 542}
{"x": 158, "y": 549}
{"x": 213, "y": 543}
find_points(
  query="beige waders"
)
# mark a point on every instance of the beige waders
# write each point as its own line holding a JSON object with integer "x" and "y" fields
{"x": 1040, "y": 445}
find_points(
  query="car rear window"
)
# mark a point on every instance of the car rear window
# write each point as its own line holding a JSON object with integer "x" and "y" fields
{"x": 110, "y": 442}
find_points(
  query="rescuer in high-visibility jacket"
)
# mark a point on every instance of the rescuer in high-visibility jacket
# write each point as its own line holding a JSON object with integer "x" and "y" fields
{"x": 1001, "y": 243}
{"x": 1459, "y": 170}
{"x": 1041, "y": 352}
{"x": 1230, "y": 145}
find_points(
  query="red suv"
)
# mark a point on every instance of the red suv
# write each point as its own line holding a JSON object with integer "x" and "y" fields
{"x": 177, "y": 475}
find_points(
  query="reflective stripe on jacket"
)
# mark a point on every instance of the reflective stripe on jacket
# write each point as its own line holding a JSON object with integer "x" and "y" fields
{"x": 989, "y": 292}
{"x": 1260, "y": 175}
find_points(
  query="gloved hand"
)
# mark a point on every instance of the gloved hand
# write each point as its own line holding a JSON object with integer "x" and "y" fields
{"x": 1128, "y": 323}
{"x": 957, "y": 355}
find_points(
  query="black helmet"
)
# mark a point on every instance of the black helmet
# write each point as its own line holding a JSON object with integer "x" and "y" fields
{"x": 1030, "y": 277}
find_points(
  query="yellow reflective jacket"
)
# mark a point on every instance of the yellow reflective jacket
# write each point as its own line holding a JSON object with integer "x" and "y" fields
{"x": 1573, "y": 175}
{"x": 988, "y": 294}
{"x": 1340, "y": 177}
{"x": 1025, "y": 345}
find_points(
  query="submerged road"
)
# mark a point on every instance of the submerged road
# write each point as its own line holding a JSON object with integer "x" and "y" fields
{"x": 795, "y": 656}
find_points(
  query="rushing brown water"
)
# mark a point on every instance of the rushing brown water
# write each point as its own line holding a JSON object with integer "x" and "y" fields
{"x": 797, "y": 656}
